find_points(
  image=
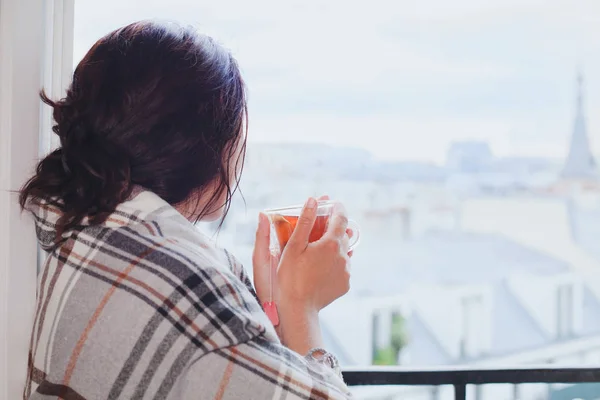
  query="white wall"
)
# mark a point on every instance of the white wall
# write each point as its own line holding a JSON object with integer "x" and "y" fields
{"x": 542, "y": 224}
{"x": 538, "y": 294}
{"x": 440, "y": 307}
{"x": 26, "y": 64}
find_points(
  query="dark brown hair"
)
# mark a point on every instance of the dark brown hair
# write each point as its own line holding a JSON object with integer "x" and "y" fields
{"x": 151, "y": 104}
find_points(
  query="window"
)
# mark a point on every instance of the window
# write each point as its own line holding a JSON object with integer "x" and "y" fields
{"x": 564, "y": 311}
{"x": 458, "y": 137}
{"x": 472, "y": 313}
{"x": 375, "y": 336}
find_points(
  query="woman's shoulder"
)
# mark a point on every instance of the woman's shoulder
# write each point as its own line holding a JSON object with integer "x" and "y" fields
{"x": 195, "y": 278}
{"x": 122, "y": 295}
{"x": 162, "y": 268}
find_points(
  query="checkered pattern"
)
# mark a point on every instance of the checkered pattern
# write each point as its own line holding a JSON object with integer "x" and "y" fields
{"x": 145, "y": 307}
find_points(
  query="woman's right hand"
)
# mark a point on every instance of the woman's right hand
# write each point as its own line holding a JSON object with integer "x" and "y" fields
{"x": 312, "y": 275}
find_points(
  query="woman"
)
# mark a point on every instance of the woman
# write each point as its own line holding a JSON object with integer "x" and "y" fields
{"x": 133, "y": 302}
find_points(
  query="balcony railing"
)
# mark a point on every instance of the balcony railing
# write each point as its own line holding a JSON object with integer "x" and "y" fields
{"x": 459, "y": 378}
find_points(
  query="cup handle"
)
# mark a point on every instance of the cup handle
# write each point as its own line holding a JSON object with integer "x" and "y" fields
{"x": 355, "y": 238}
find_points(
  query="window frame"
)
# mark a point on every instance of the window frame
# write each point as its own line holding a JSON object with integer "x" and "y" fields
{"x": 31, "y": 34}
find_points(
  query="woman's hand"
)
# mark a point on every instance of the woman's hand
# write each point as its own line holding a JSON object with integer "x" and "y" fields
{"x": 265, "y": 263}
{"x": 309, "y": 276}
{"x": 312, "y": 275}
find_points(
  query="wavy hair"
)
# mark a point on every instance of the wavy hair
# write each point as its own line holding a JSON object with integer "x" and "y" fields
{"x": 155, "y": 105}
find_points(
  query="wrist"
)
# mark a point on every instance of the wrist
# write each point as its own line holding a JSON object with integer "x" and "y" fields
{"x": 296, "y": 308}
{"x": 300, "y": 328}
{"x": 322, "y": 356}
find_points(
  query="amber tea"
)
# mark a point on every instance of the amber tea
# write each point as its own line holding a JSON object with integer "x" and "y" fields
{"x": 284, "y": 221}
{"x": 284, "y": 225}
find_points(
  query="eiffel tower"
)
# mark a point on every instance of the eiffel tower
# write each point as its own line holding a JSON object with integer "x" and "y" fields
{"x": 580, "y": 163}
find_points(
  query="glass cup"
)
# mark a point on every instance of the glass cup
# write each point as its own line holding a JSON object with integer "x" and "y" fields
{"x": 284, "y": 220}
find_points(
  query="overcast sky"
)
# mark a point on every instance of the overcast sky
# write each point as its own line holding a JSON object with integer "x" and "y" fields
{"x": 400, "y": 78}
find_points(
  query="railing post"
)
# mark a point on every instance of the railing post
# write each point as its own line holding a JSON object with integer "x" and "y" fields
{"x": 460, "y": 391}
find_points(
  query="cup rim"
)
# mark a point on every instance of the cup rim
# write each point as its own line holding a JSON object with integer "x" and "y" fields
{"x": 279, "y": 210}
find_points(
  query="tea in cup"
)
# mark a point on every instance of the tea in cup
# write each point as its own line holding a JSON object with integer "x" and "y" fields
{"x": 284, "y": 221}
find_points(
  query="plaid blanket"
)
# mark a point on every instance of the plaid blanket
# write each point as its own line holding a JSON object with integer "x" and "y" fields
{"x": 144, "y": 306}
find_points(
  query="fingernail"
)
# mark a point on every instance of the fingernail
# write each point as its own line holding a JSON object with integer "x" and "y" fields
{"x": 263, "y": 223}
{"x": 338, "y": 207}
{"x": 311, "y": 203}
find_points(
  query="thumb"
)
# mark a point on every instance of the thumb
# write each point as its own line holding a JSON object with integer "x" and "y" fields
{"x": 299, "y": 239}
{"x": 261, "y": 257}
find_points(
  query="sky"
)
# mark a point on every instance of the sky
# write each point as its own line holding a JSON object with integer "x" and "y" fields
{"x": 400, "y": 78}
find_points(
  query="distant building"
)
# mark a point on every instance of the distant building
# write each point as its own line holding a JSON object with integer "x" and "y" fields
{"x": 580, "y": 163}
{"x": 512, "y": 286}
{"x": 469, "y": 156}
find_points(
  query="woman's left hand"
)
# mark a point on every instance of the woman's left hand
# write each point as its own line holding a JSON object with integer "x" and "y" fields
{"x": 265, "y": 264}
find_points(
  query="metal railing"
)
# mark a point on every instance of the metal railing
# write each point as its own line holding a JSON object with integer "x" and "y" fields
{"x": 459, "y": 378}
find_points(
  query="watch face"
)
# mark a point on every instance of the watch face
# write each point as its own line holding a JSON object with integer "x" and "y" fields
{"x": 323, "y": 357}
{"x": 332, "y": 360}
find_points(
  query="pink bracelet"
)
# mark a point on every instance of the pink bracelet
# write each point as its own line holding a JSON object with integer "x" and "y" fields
{"x": 271, "y": 310}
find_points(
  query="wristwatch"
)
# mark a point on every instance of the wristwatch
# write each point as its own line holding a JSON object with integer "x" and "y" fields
{"x": 324, "y": 357}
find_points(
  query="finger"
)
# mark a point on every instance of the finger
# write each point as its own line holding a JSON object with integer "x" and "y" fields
{"x": 350, "y": 233}
{"x": 306, "y": 221}
{"x": 261, "y": 256}
{"x": 323, "y": 198}
{"x": 338, "y": 223}
{"x": 344, "y": 244}
{"x": 262, "y": 240}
